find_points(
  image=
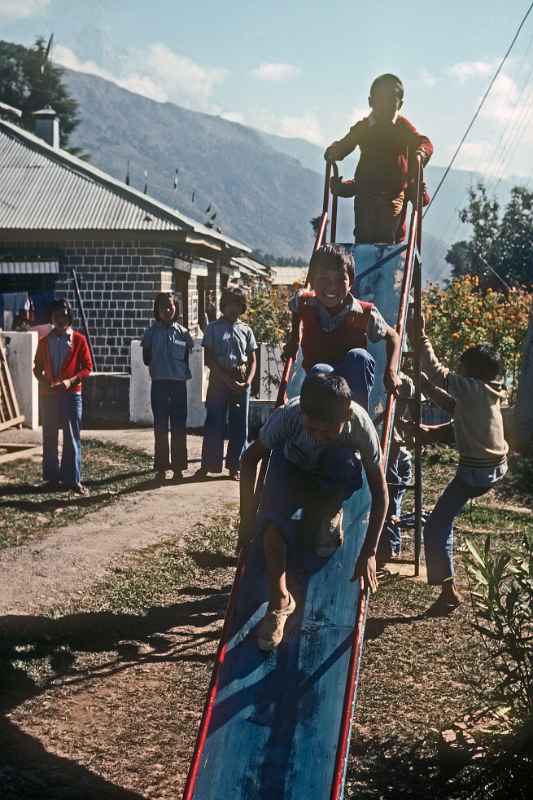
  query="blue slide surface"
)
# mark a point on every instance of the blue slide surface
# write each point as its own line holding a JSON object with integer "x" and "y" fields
{"x": 275, "y": 725}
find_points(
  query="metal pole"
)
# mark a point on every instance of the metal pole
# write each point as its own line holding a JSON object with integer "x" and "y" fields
{"x": 83, "y": 317}
{"x": 417, "y": 288}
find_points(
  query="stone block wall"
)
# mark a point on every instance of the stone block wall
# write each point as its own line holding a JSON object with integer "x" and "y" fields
{"x": 118, "y": 281}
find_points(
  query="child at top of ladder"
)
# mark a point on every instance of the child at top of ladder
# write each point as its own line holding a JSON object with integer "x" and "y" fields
{"x": 336, "y": 326}
{"x": 389, "y": 144}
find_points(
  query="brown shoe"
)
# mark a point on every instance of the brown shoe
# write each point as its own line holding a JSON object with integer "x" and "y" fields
{"x": 271, "y": 627}
{"x": 330, "y": 536}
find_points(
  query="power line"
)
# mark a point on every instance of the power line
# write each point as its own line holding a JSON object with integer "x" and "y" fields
{"x": 480, "y": 106}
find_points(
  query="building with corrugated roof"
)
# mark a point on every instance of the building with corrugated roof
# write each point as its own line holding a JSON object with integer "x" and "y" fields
{"x": 62, "y": 220}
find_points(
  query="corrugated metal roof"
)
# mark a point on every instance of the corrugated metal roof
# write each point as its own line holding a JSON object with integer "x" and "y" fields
{"x": 42, "y": 188}
{"x": 251, "y": 266}
{"x": 287, "y": 276}
{"x": 29, "y": 267}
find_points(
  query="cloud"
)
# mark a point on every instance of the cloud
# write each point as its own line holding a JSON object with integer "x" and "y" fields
{"x": 465, "y": 70}
{"x": 234, "y": 116}
{"x": 157, "y": 73}
{"x": 425, "y": 78}
{"x": 20, "y": 9}
{"x": 304, "y": 126}
{"x": 503, "y": 102}
{"x": 276, "y": 72}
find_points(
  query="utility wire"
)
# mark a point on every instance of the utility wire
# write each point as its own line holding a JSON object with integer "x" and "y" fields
{"x": 480, "y": 106}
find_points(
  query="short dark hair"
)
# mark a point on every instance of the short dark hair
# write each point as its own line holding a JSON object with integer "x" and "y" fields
{"x": 483, "y": 362}
{"x": 388, "y": 79}
{"x": 160, "y": 296}
{"x": 233, "y": 294}
{"x": 63, "y": 307}
{"x": 325, "y": 397}
{"x": 335, "y": 257}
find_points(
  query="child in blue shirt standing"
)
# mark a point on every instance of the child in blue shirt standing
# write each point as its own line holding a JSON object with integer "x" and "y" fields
{"x": 230, "y": 355}
{"x": 166, "y": 347}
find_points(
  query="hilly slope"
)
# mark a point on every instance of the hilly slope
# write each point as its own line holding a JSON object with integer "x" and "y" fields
{"x": 262, "y": 195}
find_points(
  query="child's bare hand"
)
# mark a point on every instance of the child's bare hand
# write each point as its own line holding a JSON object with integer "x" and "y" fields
{"x": 392, "y": 382}
{"x": 366, "y": 569}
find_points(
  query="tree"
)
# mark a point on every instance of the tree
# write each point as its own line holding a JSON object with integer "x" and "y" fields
{"x": 500, "y": 250}
{"x": 29, "y": 81}
{"x": 462, "y": 316}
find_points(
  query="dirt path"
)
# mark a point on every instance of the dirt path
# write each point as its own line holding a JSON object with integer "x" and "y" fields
{"x": 65, "y": 563}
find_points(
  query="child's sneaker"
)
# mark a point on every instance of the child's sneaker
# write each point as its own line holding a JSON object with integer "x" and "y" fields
{"x": 271, "y": 627}
{"x": 330, "y": 536}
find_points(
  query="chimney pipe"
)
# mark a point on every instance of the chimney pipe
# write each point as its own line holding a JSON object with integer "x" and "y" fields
{"x": 47, "y": 126}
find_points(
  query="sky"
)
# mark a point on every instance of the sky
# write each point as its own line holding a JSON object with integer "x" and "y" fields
{"x": 302, "y": 68}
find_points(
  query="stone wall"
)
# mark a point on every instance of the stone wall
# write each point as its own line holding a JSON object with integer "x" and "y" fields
{"x": 117, "y": 281}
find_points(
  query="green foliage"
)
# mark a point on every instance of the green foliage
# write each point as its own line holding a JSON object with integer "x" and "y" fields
{"x": 501, "y": 244}
{"x": 463, "y": 315}
{"x": 29, "y": 82}
{"x": 502, "y": 598}
{"x": 270, "y": 260}
{"x": 268, "y": 314}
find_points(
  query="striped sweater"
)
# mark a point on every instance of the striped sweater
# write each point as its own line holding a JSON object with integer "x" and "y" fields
{"x": 477, "y": 421}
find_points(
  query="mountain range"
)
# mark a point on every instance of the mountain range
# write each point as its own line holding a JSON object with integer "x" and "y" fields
{"x": 264, "y": 189}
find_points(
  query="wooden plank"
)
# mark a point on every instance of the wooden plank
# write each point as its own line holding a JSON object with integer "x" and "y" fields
{"x": 12, "y": 397}
{"x": 275, "y": 724}
{"x": 22, "y": 452}
{"x": 10, "y": 423}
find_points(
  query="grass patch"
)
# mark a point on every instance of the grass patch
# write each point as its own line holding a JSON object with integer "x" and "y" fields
{"x": 26, "y": 512}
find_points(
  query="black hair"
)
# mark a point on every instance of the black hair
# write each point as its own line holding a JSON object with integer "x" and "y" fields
{"x": 483, "y": 362}
{"x": 63, "y": 306}
{"x": 233, "y": 294}
{"x": 335, "y": 257}
{"x": 325, "y": 397}
{"x": 388, "y": 79}
{"x": 164, "y": 296}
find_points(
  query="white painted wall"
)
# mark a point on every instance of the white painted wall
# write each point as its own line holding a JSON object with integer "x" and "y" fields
{"x": 140, "y": 408}
{"x": 20, "y": 348}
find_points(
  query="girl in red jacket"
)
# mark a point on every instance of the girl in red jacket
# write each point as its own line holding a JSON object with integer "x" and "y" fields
{"x": 62, "y": 361}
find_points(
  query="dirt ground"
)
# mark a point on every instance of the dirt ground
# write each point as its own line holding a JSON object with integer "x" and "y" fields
{"x": 106, "y": 650}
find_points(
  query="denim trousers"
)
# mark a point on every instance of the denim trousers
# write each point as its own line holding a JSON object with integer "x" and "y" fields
{"x": 390, "y": 541}
{"x": 358, "y": 368}
{"x": 289, "y": 488}
{"x": 61, "y": 410}
{"x": 438, "y": 530}
{"x": 227, "y": 413}
{"x": 169, "y": 407}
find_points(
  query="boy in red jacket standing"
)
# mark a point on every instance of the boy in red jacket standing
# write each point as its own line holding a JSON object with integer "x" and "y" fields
{"x": 62, "y": 361}
{"x": 389, "y": 146}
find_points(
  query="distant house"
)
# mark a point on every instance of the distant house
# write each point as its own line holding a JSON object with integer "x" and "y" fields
{"x": 63, "y": 220}
{"x": 290, "y": 277}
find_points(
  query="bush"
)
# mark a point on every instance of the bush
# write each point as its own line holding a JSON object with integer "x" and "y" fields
{"x": 502, "y": 599}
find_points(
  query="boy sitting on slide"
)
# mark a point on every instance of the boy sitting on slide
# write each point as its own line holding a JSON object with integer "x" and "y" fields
{"x": 336, "y": 327}
{"x": 320, "y": 443}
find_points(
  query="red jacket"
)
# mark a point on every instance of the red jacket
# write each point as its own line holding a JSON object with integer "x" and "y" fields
{"x": 319, "y": 346}
{"x": 387, "y": 154}
{"x": 77, "y": 364}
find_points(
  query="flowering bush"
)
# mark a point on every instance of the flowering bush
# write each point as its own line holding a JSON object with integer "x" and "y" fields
{"x": 461, "y": 316}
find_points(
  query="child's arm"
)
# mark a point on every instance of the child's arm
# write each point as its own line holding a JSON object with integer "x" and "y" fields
{"x": 441, "y": 398}
{"x": 219, "y": 371}
{"x": 146, "y": 345}
{"x": 343, "y": 147}
{"x": 366, "y": 563}
{"x": 393, "y": 344}
{"x": 436, "y": 372}
{"x": 293, "y": 342}
{"x": 251, "y": 368}
{"x": 248, "y": 503}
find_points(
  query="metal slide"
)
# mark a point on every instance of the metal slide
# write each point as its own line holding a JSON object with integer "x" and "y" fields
{"x": 277, "y": 726}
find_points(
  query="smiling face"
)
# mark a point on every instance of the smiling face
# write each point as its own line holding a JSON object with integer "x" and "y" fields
{"x": 167, "y": 310}
{"x": 60, "y": 321}
{"x": 331, "y": 286}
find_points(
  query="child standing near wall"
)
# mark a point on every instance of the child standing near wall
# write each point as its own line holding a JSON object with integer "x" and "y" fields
{"x": 62, "y": 361}
{"x": 230, "y": 355}
{"x": 166, "y": 347}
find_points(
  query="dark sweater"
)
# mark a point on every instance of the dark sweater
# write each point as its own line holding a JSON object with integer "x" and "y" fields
{"x": 388, "y": 154}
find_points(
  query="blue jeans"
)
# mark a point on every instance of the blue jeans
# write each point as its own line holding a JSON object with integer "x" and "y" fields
{"x": 358, "y": 369}
{"x": 289, "y": 488}
{"x": 169, "y": 405}
{"x": 222, "y": 404}
{"x": 61, "y": 410}
{"x": 438, "y": 530}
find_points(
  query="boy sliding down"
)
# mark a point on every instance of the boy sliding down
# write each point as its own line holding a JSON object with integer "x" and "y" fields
{"x": 389, "y": 146}
{"x": 336, "y": 326}
{"x": 320, "y": 442}
{"x": 477, "y": 389}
